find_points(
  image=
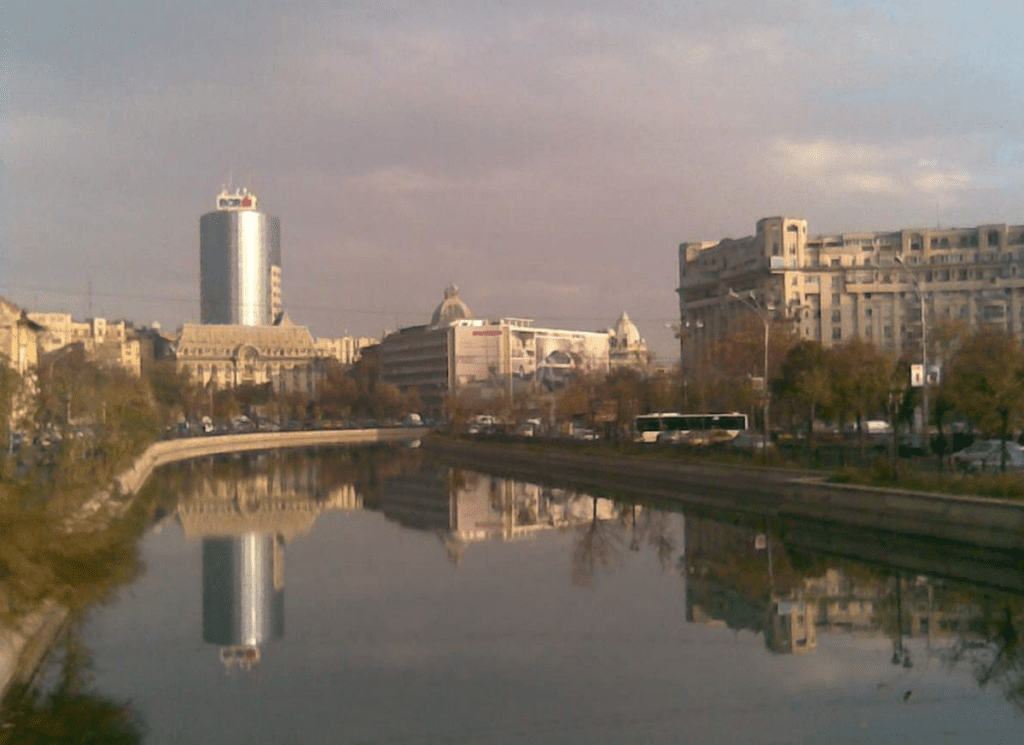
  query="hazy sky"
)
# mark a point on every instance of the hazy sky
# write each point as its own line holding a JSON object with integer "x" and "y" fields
{"x": 547, "y": 157}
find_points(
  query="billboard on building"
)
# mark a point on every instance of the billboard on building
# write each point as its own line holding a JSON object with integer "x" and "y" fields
{"x": 504, "y": 355}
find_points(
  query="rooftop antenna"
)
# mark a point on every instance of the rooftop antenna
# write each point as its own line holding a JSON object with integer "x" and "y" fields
{"x": 89, "y": 295}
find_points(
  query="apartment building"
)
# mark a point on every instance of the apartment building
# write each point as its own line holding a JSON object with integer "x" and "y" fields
{"x": 886, "y": 287}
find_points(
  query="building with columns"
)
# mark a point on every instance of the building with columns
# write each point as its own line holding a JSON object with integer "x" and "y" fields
{"x": 884, "y": 287}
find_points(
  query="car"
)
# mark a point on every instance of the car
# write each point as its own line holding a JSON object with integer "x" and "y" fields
{"x": 993, "y": 462}
{"x": 751, "y": 442}
{"x": 985, "y": 455}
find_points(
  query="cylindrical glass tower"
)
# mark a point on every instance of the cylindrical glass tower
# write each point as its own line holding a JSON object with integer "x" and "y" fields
{"x": 239, "y": 263}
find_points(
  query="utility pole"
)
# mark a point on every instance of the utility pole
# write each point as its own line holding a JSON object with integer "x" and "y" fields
{"x": 912, "y": 276}
{"x": 764, "y": 311}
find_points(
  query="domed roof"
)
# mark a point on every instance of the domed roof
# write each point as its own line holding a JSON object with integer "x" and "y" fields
{"x": 451, "y": 308}
{"x": 626, "y": 332}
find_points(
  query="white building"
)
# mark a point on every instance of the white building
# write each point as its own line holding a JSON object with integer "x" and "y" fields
{"x": 456, "y": 352}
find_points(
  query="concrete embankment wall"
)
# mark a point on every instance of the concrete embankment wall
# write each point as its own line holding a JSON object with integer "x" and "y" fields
{"x": 989, "y": 523}
{"x": 170, "y": 451}
{"x": 24, "y": 644}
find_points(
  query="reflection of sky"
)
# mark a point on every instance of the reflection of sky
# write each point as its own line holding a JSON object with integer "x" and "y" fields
{"x": 388, "y": 642}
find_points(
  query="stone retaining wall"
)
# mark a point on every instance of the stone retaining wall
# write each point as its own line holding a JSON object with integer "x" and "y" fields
{"x": 991, "y": 523}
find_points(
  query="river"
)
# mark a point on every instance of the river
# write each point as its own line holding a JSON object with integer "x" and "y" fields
{"x": 378, "y": 596}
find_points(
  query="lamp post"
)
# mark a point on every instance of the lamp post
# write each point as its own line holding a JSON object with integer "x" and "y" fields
{"x": 764, "y": 312}
{"x": 682, "y": 331}
{"x": 924, "y": 350}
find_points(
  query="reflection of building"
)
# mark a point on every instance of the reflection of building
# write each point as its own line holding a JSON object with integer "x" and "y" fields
{"x": 457, "y": 352}
{"x": 739, "y": 577}
{"x": 239, "y": 263}
{"x": 245, "y": 514}
{"x": 851, "y": 284}
{"x": 790, "y": 627}
{"x": 465, "y": 507}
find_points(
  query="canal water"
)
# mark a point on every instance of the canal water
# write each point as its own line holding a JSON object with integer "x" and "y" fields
{"x": 378, "y": 596}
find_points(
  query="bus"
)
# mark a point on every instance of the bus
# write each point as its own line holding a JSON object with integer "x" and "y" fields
{"x": 690, "y": 428}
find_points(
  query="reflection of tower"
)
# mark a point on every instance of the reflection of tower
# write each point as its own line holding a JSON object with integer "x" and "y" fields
{"x": 243, "y": 593}
{"x": 239, "y": 263}
{"x": 246, "y": 509}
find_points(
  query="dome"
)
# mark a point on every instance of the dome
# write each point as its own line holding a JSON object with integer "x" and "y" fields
{"x": 451, "y": 309}
{"x": 626, "y": 332}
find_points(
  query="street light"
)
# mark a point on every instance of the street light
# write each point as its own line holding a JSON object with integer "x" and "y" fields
{"x": 924, "y": 349}
{"x": 682, "y": 331}
{"x": 764, "y": 312}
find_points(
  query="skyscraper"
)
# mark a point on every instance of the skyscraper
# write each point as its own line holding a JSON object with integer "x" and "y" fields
{"x": 239, "y": 263}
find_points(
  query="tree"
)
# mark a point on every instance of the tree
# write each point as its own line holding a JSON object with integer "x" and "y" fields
{"x": 805, "y": 379}
{"x": 860, "y": 379}
{"x": 986, "y": 379}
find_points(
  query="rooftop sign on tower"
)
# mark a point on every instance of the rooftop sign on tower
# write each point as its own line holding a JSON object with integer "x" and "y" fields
{"x": 240, "y": 200}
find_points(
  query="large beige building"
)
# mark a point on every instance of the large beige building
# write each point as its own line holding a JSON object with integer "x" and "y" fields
{"x": 229, "y": 355}
{"x": 107, "y": 342}
{"x": 835, "y": 287}
{"x": 456, "y": 352}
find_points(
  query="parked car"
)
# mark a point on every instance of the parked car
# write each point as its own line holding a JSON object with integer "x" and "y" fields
{"x": 985, "y": 455}
{"x": 751, "y": 442}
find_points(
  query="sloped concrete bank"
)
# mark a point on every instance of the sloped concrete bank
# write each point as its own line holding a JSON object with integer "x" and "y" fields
{"x": 764, "y": 492}
{"x": 24, "y": 644}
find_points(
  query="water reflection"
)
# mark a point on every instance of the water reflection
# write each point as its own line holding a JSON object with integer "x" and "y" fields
{"x": 465, "y": 507}
{"x": 245, "y": 509}
{"x": 428, "y": 589}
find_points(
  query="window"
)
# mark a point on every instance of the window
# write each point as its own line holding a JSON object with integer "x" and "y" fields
{"x": 835, "y": 298}
{"x": 867, "y": 331}
{"x": 993, "y": 237}
{"x": 837, "y": 333}
{"x": 835, "y": 262}
{"x": 837, "y": 316}
{"x": 887, "y": 332}
{"x": 867, "y": 313}
{"x": 837, "y": 282}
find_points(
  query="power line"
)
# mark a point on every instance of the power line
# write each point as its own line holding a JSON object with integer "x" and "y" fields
{"x": 322, "y": 309}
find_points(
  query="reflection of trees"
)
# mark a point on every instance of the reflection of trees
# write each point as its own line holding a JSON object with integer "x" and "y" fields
{"x": 70, "y": 712}
{"x": 660, "y": 536}
{"x": 598, "y": 545}
{"x": 997, "y": 654}
{"x": 654, "y": 526}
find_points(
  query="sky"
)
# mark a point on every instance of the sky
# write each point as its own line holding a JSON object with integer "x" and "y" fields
{"x": 546, "y": 157}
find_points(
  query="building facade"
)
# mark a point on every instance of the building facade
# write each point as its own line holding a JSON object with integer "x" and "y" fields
{"x": 884, "y": 287}
{"x": 228, "y": 356}
{"x": 239, "y": 263}
{"x": 457, "y": 352}
{"x": 110, "y": 343}
{"x": 19, "y": 339}
{"x": 344, "y": 349}
{"x": 627, "y": 349}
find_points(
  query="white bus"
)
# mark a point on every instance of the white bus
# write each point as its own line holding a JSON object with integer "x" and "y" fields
{"x": 696, "y": 429}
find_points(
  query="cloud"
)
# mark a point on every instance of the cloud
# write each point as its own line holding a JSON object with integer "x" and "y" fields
{"x": 570, "y": 144}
